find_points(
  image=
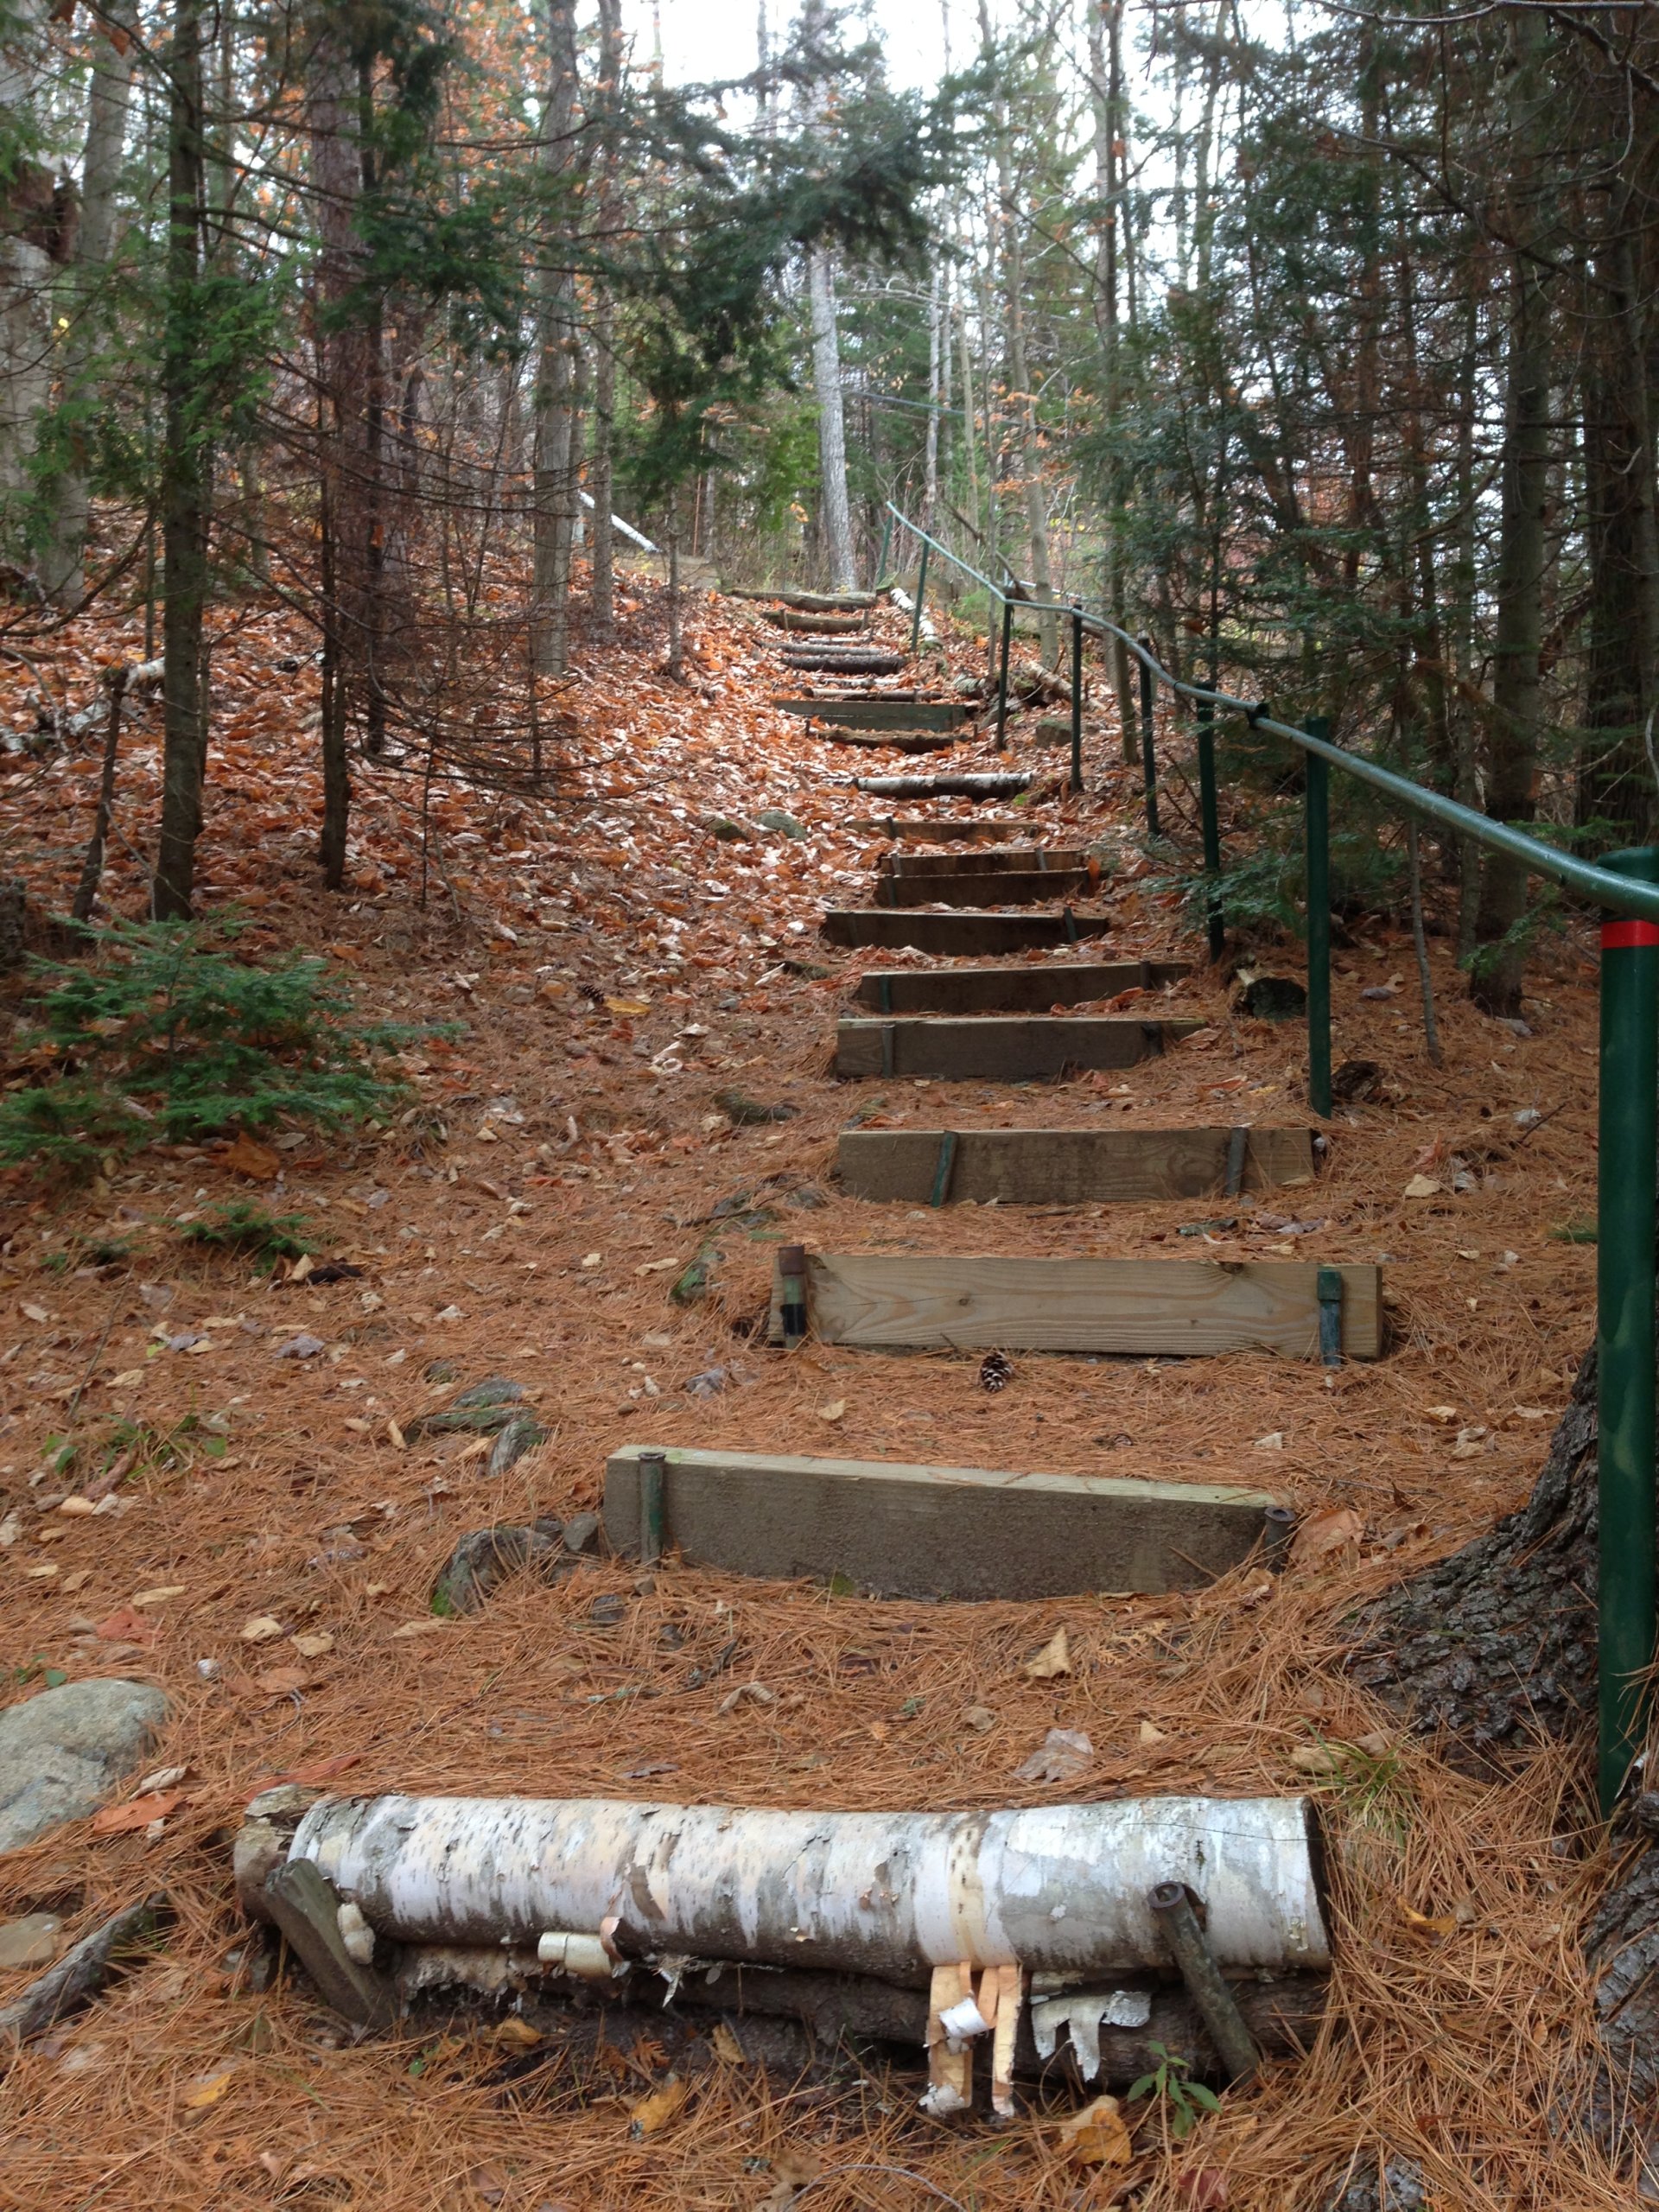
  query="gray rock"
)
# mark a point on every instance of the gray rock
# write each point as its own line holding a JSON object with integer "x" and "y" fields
{"x": 580, "y": 1532}
{"x": 62, "y": 1752}
{"x": 1273, "y": 997}
{"x": 30, "y": 1942}
{"x": 487, "y": 1556}
{"x": 1396, "y": 2186}
{"x": 784, "y": 825}
{"x": 493, "y": 1390}
{"x": 520, "y": 1436}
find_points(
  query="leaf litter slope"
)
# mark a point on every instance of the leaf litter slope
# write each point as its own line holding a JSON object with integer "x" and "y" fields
{"x": 619, "y": 967}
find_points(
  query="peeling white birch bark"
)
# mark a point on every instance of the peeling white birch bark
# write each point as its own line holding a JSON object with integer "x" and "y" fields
{"x": 1052, "y": 1888}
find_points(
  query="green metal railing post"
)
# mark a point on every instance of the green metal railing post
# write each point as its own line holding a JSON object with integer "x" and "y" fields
{"x": 1317, "y": 836}
{"x": 1076, "y": 701}
{"x": 887, "y": 541}
{"x": 1210, "y": 809}
{"x": 1624, "y": 1328}
{"x": 921, "y": 594}
{"x": 1002, "y": 679}
{"x": 1148, "y": 756}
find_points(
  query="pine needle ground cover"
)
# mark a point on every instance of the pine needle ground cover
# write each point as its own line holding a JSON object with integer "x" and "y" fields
{"x": 615, "y": 966}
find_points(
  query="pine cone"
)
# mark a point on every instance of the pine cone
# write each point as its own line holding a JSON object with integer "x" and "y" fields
{"x": 995, "y": 1371}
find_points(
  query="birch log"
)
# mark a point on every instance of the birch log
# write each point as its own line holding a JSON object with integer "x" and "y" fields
{"x": 1053, "y": 1889}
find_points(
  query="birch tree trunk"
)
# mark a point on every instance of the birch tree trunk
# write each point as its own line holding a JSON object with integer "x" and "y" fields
{"x": 64, "y": 549}
{"x": 25, "y": 265}
{"x": 935, "y": 353}
{"x": 832, "y": 421}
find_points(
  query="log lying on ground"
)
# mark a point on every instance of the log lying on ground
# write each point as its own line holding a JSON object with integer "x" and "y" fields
{"x": 1010, "y": 990}
{"x": 843, "y": 660}
{"x": 807, "y": 602}
{"x": 890, "y": 740}
{"x": 816, "y": 626}
{"x": 1053, "y": 1889}
{"x": 1085, "y": 2040}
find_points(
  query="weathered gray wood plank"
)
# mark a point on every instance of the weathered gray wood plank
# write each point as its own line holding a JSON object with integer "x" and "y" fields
{"x": 921, "y": 829}
{"x": 1009, "y": 887}
{"x": 880, "y": 711}
{"x": 890, "y": 741}
{"x": 906, "y": 1531}
{"x": 986, "y": 934}
{"x": 1011, "y": 990}
{"x": 975, "y": 1303}
{"x": 1006, "y": 1047}
{"x": 1062, "y": 1167}
{"x": 1021, "y": 860}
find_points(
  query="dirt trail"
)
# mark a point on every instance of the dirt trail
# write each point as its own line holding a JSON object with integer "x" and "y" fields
{"x": 619, "y": 966}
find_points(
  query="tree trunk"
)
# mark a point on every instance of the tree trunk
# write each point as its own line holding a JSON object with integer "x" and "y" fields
{"x": 187, "y": 475}
{"x": 1621, "y": 539}
{"x": 1106, "y": 70}
{"x": 63, "y": 552}
{"x": 555, "y": 486}
{"x": 832, "y": 421}
{"x": 602, "y": 473}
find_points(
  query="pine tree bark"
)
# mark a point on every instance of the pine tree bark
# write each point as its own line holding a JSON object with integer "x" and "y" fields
{"x": 557, "y": 463}
{"x": 602, "y": 472}
{"x": 187, "y": 477}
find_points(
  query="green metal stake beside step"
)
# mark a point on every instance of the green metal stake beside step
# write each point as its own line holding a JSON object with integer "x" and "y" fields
{"x": 1624, "y": 1329}
{"x": 1317, "y": 841}
{"x": 921, "y": 594}
{"x": 1210, "y": 811}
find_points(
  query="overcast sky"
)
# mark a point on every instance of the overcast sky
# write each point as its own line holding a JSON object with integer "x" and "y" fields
{"x": 705, "y": 39}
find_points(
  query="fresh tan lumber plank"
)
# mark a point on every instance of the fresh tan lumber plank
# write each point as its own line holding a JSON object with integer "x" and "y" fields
{"x": 959, "y": 1303}
{"x": 1062, "y": 1167}
{"x": 1011, "y": 887}
{"x": 986, "y": 934}
{"x": 1010, "y": 990}
{"x": 906, "y": 1531}
{"x": 1008, "y": 1047}
{"x": 1016, "y": 859}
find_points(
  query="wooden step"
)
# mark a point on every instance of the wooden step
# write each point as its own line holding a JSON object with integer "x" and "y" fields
{"x": 831, "y": 658}
{"x": 1148, "y": 1307}
{"x": 1010, "y": 990}
{"x": 809, "y": 602}
{"x": 902, "y": 1531}
{"x": 816, "y": 626}
{"x": 965, "y": 783}
{"x": 890, "y": 741}
{"x": 1030, "y": 859}
{"x": 881, "y": 711}
{"x": 1011, "y": 887}
{"x": 958, "y": 935}
{"x": 1068, "y": 1167}
{"x": 1001, "y": 1047}
{"x": 920, "y": 828}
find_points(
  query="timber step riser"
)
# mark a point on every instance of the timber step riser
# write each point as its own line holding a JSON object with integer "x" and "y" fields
{"x": 817, "y": 626}
{"x": 1004, "y": 887}
{"x": 930, "y": 1532}
{"x": 1148, "y": 1308}
{"x": 918, "y": 830}
{"x": 882, "y": 713}
{"x": 1010, "y": 990}
{"x": 965, "y": 935}
{"x": 1031, "y": 860}
{"x": 993, "y": 783}
{"x": 1068, "y": 1167}
{"x": 1006, "y": 1048}
{"x": 890, "y": 741}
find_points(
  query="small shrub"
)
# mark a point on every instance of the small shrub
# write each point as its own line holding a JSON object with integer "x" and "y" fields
{"x": 1184, "y": 2100}
{"x": 164, "y": 1032}
{"x": 243, "y": 1227}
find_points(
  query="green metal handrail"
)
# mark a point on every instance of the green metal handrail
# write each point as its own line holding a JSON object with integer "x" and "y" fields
{"x": 1624, "y": 884}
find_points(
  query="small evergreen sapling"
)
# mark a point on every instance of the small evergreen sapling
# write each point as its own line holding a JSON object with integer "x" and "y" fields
{"x": 165, "y": 1033}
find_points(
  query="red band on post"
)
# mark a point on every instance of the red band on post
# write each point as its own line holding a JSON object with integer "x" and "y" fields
{"x": 1623, "y": 937}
